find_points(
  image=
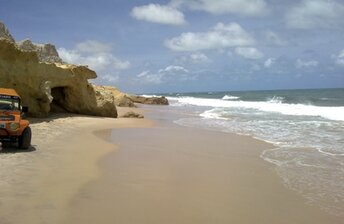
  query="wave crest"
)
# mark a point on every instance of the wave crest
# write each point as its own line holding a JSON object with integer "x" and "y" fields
{"x": 229, "y": 97}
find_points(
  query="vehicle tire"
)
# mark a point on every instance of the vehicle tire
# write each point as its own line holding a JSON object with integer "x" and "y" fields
{"x": 24, "y": 140}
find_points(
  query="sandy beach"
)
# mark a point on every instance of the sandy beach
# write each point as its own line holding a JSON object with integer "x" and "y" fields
{"x": 41, "y": 181}
{"x": 172, "y": 112}
{"x": 102, "y": 170}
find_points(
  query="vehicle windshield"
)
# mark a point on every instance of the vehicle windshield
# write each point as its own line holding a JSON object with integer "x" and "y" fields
{"x": 10, "y": 103}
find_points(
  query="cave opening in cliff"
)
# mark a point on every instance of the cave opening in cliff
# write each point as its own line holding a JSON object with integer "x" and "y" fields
{"x": 59, "y": 100}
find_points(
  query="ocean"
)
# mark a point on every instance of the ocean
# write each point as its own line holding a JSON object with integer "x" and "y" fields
{"x": 306, "y": 128}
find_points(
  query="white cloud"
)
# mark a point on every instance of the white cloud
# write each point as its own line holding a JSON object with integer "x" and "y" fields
{"x": 110, "y": 78}
{"x": 173, "y": 68}
{"x": 249, "y": 52}
{"x": 94, "y": 54}
{"x": 306, "y": 64}
{"x": 220, "y": 36}
{"x": 310, "y": 14}
{"x": 195, "y": 58}
{"x": 274, "y": 39}
{"x": 168, "y": 74}
{"x": 340, "y": 58}
{"x": 156, "y": 13}
{"x": 70, "y": 56}
{"x": 269, "y": 62}
{"x": 148, "y": 77}
{"x": 199, "y": 58}
{"x": 119, "y": 64}
{"x": 92, "y": 46}
{"x": 240, "y": 7}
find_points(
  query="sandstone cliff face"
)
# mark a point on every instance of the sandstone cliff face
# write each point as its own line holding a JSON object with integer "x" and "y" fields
{"x": 46, "y": 86}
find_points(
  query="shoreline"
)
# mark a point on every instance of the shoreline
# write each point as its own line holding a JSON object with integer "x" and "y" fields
{"x": 164, "y": 175}
{"x": 152, "y": 171}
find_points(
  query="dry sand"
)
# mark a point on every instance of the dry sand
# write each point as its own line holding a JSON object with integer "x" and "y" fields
{"x": 37, "y": 185}
{"x": 158, "y": 174}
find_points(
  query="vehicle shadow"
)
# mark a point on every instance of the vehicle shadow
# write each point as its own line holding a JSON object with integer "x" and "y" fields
{"x": 12, "y": 148}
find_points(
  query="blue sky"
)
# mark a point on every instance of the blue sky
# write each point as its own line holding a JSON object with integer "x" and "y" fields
{"x": 191, "y": 45}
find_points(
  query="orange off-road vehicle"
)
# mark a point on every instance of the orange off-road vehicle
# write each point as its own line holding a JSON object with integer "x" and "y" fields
{"x": 13, "y": 128}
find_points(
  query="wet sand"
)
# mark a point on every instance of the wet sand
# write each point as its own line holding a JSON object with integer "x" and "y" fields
{"x": 172, "y": 174}
{"x": 143, "y": 171}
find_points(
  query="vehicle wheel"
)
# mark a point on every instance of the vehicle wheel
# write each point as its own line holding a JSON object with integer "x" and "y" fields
{"x": 24, "y": 140}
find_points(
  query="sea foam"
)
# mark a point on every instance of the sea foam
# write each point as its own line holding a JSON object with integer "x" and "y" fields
{"x": 272, "y": 105}
{"x": 308, "y": 137}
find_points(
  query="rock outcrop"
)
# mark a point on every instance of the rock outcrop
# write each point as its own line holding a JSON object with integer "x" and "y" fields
{"x": 129, "y": 100}
{"x": 4, "y": 33}
{"x": 121, "y": 99}
{"x": 46, "y": 87}
{"x": 149, "y": 100}
{"x": 45, "y": 52}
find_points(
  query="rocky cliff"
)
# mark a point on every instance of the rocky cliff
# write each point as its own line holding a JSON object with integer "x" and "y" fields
{"x": 46, "y": 84}
{"x": 45, "y": 52}
{"x": 46, "y": 87}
